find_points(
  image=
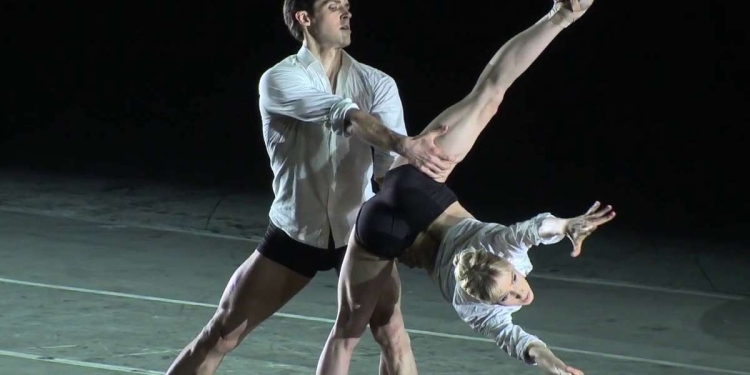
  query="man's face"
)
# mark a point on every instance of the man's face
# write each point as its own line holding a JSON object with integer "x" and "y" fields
{"x": 330, "y": 26}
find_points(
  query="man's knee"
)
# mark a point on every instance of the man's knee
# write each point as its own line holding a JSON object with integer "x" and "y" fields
{"x": 223, "y": 333}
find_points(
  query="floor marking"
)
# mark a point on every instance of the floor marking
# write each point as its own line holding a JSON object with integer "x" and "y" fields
{"x": 331, "y": 321}
{"x": 72, "y": 362}
{"x": 256, "y": 239}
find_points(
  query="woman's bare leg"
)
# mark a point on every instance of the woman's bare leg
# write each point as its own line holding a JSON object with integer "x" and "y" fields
{"x": 467, "y": 118}
{"x": 387, "y": 327}
{"x": 361, "y": 283}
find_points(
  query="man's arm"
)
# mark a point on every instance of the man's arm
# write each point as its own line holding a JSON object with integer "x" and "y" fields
{"x": 387, "y": 107}
{"x": 372, "y": 130}
{"x": 287, "y": 91}
{"x": 421, "y": 151}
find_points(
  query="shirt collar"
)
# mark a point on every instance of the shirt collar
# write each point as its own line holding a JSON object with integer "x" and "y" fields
{"x": 306, "y": 57}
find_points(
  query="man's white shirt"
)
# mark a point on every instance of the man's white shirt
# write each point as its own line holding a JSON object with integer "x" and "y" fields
{"x": 322, "y": 175}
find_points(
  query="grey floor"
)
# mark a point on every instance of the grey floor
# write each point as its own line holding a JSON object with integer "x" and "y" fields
{"x": 85, "y": 298}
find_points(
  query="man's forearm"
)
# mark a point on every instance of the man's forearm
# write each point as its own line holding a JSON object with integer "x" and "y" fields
{"x": 516, "y": 55}
{"x": 370, "y": 129}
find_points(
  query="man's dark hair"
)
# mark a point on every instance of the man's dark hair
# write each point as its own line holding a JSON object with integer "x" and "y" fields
{"x": 291, "y": 7}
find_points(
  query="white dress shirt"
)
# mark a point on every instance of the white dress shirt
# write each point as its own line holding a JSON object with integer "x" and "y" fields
{"x": 321, "y": 175}
{"x": 511, "y": 243}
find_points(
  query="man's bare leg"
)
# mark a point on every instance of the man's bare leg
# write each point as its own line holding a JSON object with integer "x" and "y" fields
{"x": 258, "y": 288}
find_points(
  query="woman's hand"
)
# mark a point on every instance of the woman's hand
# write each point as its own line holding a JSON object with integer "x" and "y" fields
{"x": 580, "y": 227}
{"x": 549, "y": 363}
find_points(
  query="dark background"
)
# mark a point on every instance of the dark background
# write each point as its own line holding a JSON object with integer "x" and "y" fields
{"x": 641, "y": 105}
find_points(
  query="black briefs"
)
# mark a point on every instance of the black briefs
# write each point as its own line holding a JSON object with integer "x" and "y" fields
{"x": 407, "y": 203}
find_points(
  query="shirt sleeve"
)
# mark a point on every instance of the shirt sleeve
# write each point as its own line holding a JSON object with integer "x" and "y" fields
{"x": 287, "y": 91}
{"x": 517, "y": 239}
{"x": 388, "y": 108}
{"x": 496, "y": 322}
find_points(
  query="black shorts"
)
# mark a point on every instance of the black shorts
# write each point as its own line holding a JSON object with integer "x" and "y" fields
{"x": 407, "y": 203}
{"x": 301, "y": 258}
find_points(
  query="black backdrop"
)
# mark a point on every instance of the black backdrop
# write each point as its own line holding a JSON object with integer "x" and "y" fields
{"x": 641, "y": 106}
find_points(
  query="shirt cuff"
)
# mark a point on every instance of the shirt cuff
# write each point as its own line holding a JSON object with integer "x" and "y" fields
{"x": 337, "y": 116}
{"x": 549, "y": 240}
{"x": 526, "y": 357}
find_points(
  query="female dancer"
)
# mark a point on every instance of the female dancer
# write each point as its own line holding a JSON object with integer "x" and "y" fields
{"x": 411, "y": 211}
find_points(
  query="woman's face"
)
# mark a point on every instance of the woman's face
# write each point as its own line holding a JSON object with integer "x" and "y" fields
{"x": 515, "y": 289}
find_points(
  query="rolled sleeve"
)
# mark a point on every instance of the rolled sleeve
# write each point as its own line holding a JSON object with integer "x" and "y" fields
{"x": 496, "y": 322}
{"x": 287, "y": 91}
{"x": 337, "y": 117}
{"x": 517, "y": 239}
{"x": 387, "y": 107}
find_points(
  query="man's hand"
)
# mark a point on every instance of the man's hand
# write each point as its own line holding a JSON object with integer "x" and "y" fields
{"x": 423, "y": 153}
{"x": 549, "y": 363}
{"x": 580, "y": 227}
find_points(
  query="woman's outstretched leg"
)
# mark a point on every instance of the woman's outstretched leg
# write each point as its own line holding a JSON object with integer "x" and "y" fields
{"x": 467, "y": 118}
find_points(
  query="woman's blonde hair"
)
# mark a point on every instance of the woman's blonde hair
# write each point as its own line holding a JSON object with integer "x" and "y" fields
{"x": 476, "y": 271}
